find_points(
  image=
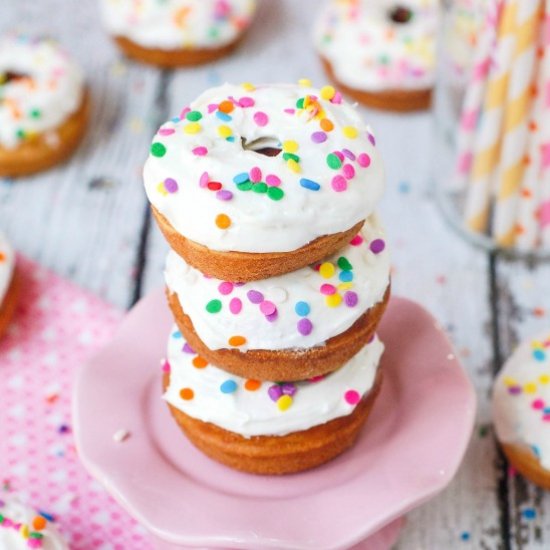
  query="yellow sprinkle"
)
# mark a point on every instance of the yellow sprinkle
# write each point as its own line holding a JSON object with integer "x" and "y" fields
{"x": 537, "y": 344}
{"x": 248, "y": 87}
{"x": 334, "y": 300}
{"x": 327, "y": 92}
{"x": 225, "y": 131}
{"x": 161, "y": 189}
{"x": 284, "y": 402}
{"x": 509, "y": 381}
{"x": 192, "y": 128}
{"x": 345, "y": 286}
{"x": 24, "y": 531}
{"x": 350, "y": 132}
{"x": 530, "y": 387}
{"x": 544, "y": 378}
{"x": 290, "y": 146}
{"x": 327, "y": 270}
{"x": 294, "y": 166}
{"x": 305, "y": 82}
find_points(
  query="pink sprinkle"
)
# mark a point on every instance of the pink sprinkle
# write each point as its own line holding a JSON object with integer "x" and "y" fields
{"x": 538, "y": 404}
{"x": 340, "y": 155}
{"x": 200, "y": 151}
{"x": 363, "y": 160}
{"x": 212, "y": 107}
{"x": 260, "y": 118}
{"x": 255, "y": 175}
{"x": 246, "y": 102}
{"x": 327, "y": 289}
{"x": 273, "y": 180}
{"x": 225, "y": 288}
{"x": 339, "y": 183}
{"x": 544, "y": 214}
{"x": 268, "y": 308}
{"x": 290, "y": 111}
{"x": 337, "y": 99}
{"x": 166, "y": 366}
{"x": 317, "y": 378}
{"x": 235, "y": 306}
{"x": 166, "y": 131}
{"x": 184, "y": 112}
{"x": 349, "y": 171}
{"x": 203, "y": 182}
{"x": 352, "y": 397}
{"x": 356, "y": 241}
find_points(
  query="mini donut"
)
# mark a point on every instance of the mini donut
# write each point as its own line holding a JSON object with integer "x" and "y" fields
{"x": 176, "y": 33}
{"x": 265, "y": 427}
{"x": 289, "y": 327}
{"x": 253, "y": 182}
{"x": 22, "y": 527}
{"x": 44, "y": 106}
{"x": 521, "y": 409}
{"x": 380, "y": 52}
{"x": 9, "y": 284}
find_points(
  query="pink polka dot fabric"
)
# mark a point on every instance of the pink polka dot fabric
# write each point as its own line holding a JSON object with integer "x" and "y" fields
{"x": 56, "y": 328}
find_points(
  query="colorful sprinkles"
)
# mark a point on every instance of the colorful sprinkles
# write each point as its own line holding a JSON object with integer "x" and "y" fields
{"x": 30, "y": 532}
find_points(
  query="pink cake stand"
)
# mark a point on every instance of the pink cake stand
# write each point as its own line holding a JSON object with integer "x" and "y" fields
{"x": 409, "y": 450}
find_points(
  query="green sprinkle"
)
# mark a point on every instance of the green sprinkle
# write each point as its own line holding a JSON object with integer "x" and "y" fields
{"x": 260, "y": 187}
{"x": 20, "y": 134}
{"x": 333, "y": 161}
{"x": 275, "y": 193}
{"x": 214, "y": 306}
{"x": 158, "y": 149}
{"x": 343, "y": 264}
{"x": 300, "y": 103}
{"x": 36, "y": 535}
{"x": 245, "y": 185}
{"x": 288, "y": 156}
{"x": 193, "y": 116}
{"x": 36, "y": 113}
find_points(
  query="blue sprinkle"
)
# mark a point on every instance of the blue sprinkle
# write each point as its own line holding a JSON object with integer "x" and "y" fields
{"x": 310, "y": 184}
{"x": 536, "y": 450}
{"x": 465, "y": 536}
{"x": 404, "y": 187}
{"x": 302, "y": 309}
{"x": 177, "y": 335}
{"x": 529, "y": 513}
{"x": 229, "y": 386}
{"x": 223, "y": 116}
{"x": 230, "y": 138}
{"x": 45, "y": 515}
{"x": 539, "y": 355}
{"x": 546, "y": 410}
{"x": 241, "y": 178}
{"x": 346, "y": 276}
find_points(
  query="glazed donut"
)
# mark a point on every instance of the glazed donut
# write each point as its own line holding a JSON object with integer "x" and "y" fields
{"x": 9, "y": 288}
{"x": 266, "y": 427}
{"x": 177, "y": 32}
{"x": 521, "y": 409}
{"x": 252, "y": 182}
{"x": 382, "y": 53}
{"x": 43, "y": 105}
{"x": 22, "y": 528}
{"x": 302, "y": 324}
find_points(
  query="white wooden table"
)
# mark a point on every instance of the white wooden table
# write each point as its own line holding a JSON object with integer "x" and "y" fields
{"x": 88, "y": 220}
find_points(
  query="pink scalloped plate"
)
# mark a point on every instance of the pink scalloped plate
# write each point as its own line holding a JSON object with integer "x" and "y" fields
{"x": 408, "y": 451}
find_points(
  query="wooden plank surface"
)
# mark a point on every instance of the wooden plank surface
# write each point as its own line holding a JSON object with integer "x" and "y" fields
{"x": 88, "y": 221}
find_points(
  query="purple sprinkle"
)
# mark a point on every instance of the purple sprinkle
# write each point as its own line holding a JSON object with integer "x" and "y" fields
{"x": 371, "y": 139}
{"x": 349, "y": 154}
{"x": 377, "y": 246}
{"x": 514, "y": 390}
{"x": 273, "y": 317}
{"x": 187, "y": 348}
{"x": 351, "y": 298}
{"x": 274, "y": 392}
{"x": 318, "y": 137}
{"x": 305, "y": 327}
{"x": 171, "y": 185}
{"x": 288, "y": 388}
{"x": 224, "y": 195}
{"x": 255, "y": 297}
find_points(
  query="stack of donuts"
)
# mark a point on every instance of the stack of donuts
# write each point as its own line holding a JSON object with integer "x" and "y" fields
{"x": 278, "y": 273}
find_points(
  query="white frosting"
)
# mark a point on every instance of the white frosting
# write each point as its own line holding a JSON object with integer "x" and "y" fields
{"x": 369, "y": 51}
{"x": 177, "y": 180}
{"x": 51, "y": 91}
{"x": 175, "y": 24}
{"x": 7, "y": 265}
{"x": 521, "y": 398}
{"x": 222, "y": 399}
{"x": 367, "y": 282}
{"x": 16, "y": 514}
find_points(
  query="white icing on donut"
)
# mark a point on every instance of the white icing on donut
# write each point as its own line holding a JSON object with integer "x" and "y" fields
{"x": 7, "y": 265}
{"x": 176, "y": 24}
{"x": 40, "y": 86}
{"x": 369, "y": 51}
{"x": 16, "y": 515}
{"x": 521, "y": 398}
{"x": 201, "y": 181}
{"x": 212, "y": 395}
{"x": 288, "y": 311}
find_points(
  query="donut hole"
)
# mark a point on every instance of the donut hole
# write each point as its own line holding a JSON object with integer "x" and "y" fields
{"x": 401, "y": 14}
{"x": 267, "y": 146}
{"x": 12, "y": 76}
